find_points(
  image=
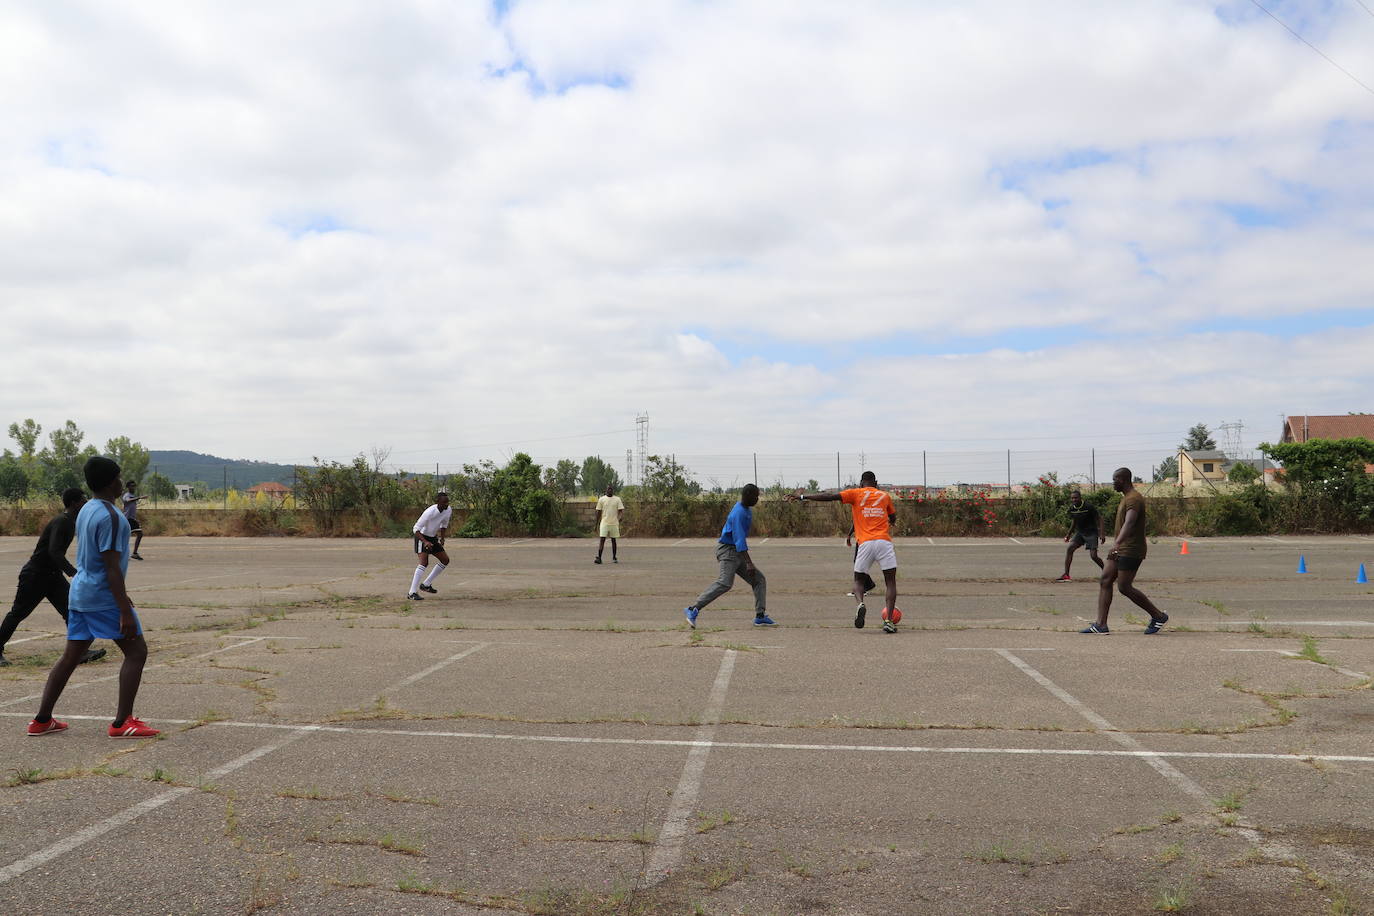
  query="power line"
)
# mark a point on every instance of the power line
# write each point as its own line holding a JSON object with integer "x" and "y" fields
{"x": 1353, "y": 77}
{"x": 1366, "y": 9}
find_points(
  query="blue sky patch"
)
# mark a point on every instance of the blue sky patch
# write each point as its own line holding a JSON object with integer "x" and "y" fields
{"x": 302, "y": 224}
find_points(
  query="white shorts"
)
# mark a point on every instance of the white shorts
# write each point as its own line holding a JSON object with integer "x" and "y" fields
{"x": 610, "y": 529}
{"x": 870, "y": 552}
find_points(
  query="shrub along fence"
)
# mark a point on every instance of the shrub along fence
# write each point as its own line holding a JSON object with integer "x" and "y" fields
{"x": 1039, "y": 513}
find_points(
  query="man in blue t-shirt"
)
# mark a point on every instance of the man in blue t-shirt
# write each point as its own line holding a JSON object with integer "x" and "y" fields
{"x": 732, "y": 552}
{"x": 99, "y": 606}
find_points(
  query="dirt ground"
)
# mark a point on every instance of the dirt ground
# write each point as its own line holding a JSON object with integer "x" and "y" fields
{"x": 546, "y": 735}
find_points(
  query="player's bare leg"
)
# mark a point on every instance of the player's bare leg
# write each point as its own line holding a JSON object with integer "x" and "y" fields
{"x": 1125, "y": 584}
{"x": 860, "y": 586}
{"x": 1068, "y": 559}
{"x": 130, "y": 674}
{"x": 890, "y": 585}
{"x": 1095, "y": 558}
{"x": 58, "y": 676}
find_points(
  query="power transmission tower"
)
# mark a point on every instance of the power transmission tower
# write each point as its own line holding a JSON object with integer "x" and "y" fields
{"x": 642, "y": 442}
{"x": 629, "y": 467}
{"x": 1231, "y": 438}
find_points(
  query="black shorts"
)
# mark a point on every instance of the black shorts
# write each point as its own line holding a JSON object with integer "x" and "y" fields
{"x": 1081, "y": 538}
{"x": 134, "y": 525}
{"x": 1130, "y": 564}
{"x": 424, "y": 545}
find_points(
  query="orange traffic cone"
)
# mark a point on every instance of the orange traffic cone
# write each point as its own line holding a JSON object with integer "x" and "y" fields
{"x": 1183, "y": 551}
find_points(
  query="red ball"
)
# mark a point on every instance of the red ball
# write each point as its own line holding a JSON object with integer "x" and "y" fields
{"x": 895, "y": 614}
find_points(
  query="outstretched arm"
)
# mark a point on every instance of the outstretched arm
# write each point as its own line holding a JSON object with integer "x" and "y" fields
{"x": 828, "y": 497}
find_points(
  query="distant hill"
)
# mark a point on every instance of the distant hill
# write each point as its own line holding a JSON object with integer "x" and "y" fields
{"x": 189, "y": 467}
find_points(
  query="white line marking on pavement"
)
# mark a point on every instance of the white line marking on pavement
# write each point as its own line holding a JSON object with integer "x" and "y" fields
{"x": 764, "y": 541}
{"x": 519, "y": 541}
{"x": 406, "y": 682}
{"x": 133, "y": 813}
{"x": 15, "y": 642}
{"x": 1360, "y": 675}
{"x": 930, "y": 541}
{"x": 1156, "y": 762}
{"x": 668, "y": 849}
{"x": 998, "y": 649}
{"x": 682, "y": 541}
{"x": 1014, "y": 540}
{"x": 363, "y": 732}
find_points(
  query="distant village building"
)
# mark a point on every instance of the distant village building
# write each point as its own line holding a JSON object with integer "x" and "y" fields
{"x": 276, "y": 492}
{"x": 1210, "y": 466}
{"x": 184, "y": 492}
{"x": 1346, "y": 426}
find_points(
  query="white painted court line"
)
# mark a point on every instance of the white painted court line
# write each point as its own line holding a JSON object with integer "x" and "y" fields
{"x": 1348, "y": 672}
{"x": 1014, "y": 540}
{"x": 667, "y": 850}
{"x": 15, "y": 642}
{"x": 1156, "y": 762}
{"x": 519, "y": 541}
{"x": 682, "y": 541}
{"x": 406, "y": 682}
{"x": 134, "y": 812}
{"x": 1319, "y": 623}
{"x": 996, "y": 649}
{"x": 764, "y": 541}
{"x": 364, "y": 732}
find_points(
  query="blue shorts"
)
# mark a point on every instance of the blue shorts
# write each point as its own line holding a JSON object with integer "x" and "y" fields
{"x": 97, "y": 624}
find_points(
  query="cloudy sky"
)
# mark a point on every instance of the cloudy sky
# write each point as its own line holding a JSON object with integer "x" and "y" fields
{"x": 456, "y": 229}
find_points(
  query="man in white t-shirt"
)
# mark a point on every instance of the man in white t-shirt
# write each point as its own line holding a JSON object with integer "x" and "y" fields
{"x": 609, "y": 508}
{"x": 430, "y": 530}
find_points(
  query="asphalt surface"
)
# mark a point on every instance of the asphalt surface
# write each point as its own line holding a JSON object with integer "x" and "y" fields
{"x": 547, "y": 736}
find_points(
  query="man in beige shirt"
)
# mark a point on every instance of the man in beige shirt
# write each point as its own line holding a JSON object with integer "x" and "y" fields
{"x": 609, "y": 508}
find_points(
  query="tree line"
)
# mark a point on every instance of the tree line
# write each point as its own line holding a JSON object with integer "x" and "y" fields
{"x": 38, "y": 468}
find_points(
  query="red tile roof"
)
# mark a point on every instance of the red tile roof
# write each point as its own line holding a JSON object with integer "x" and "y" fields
{"x": 1345, "y": 426}
{"x": 270, "y": 486}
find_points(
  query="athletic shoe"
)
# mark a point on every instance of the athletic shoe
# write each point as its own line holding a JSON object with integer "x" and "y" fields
{"x": 889, "y": 626}
{"x": 691, "y": 614}
{"x": 4, "y": 662}
{"x": 597, "y": 561}
{"x": 859, "y": 613}
{"x": 92, "y": 655}
{"x": 1065, "y": 578}
{"x": 849, "y": 594}
{"x": 133, "y": 728}
{"x": 415, "y": 596}
{"x": 136, "y": 556}
{"x": 615, "y": 560}
{"x": 763, "y": 620}
{"x": 1156, "y": 625}
{"x": 1095, "y": 629}
{"x": 428, "y": 588}
{"x": 37, "y": 728}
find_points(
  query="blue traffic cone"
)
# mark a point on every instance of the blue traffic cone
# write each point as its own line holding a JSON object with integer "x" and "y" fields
{"x": 1302, "y": 564}
{"x": 1362, "y": 578}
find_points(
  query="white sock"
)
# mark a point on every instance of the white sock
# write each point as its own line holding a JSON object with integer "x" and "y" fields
{"x": 438, "y": 568}
{"x": 415, "y": 581}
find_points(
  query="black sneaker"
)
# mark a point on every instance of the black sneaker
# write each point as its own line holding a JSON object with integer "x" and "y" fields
{"x": 1094, "y": 628}
{"x": 859, "y": 616}
{"x": 92, "y": 655}
{"x": 615, "y": 559}
{"x": 428, "y": 588}
{"x": 415, "y": 596}
{"x": 1156, "y": 625}
{"x": 889, "y": 626}
{"x": 4, "y": 662}
{"x": 136, "y": 556}
{"x": 597, "y": 560}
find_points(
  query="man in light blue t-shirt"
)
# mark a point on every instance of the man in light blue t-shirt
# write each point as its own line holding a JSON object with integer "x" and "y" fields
{"x": 99, "y": 606}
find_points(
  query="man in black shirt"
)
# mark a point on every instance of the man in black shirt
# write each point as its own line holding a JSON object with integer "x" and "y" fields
{"x": 42, "y": 577}
{"x": 1085, "y": 527}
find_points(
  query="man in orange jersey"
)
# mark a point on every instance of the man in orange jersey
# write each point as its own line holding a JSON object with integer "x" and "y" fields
{"x": 873, "y": 518}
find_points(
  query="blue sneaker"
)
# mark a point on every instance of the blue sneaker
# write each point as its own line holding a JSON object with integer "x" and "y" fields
{"x": 1156, "y": 625}
{"x": 763, "y": 620}
{"x": 1095, "y": 629}
{"x": 691, "y": 614}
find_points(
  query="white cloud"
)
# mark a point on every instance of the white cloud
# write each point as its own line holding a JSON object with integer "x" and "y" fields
{"x": 517, "y": 264}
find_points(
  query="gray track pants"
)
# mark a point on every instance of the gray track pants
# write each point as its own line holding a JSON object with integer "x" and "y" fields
{"x": 729, "y": 568}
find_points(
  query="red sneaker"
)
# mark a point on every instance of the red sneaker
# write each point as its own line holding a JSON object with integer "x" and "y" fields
{"x": 37, "y": 728}
{"x": 1064, "y": 578}
{"x": 133, "y": 728}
